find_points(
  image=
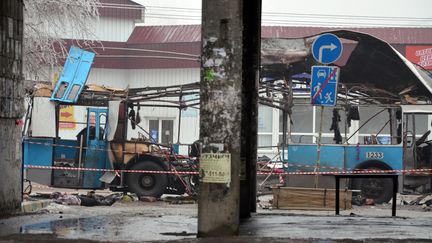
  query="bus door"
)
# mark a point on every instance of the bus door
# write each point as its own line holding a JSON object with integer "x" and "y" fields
{"x": 417, "y": 143}
{"x": 417, "y": 137}
{"x": 95, "y": 147}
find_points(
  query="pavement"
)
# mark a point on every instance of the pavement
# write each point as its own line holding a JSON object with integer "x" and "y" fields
{"x": 161, "y": 221}
{"x": 42, "y": 220}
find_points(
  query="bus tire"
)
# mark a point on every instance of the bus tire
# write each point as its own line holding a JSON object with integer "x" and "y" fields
{"x": 147, "y": 184}
{"x": 378, "y": 189}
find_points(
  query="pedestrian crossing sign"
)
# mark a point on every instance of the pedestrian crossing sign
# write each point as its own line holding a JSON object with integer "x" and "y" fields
{"x": 324, "y": 81}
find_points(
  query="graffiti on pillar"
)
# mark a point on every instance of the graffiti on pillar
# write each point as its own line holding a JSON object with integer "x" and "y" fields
{"x": 214, "y": 60}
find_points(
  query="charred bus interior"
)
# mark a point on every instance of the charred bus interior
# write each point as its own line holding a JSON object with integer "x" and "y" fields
{"x": 373, "y": 126}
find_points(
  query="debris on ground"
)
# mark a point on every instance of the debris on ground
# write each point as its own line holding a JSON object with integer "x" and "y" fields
{"x": 55, "y": 208}
{"x": 358, "y": 200}
{"x": 370, "y": 201}
{"x": 425, "y": 201}
{"x": 65, "y": 199}
{"x": 147, "y": 199}
{"x": 180, "y": 200}
{"x": 426, "y": 207}
{"x": 127, "y": 198}
{"x": 91, "y": 199}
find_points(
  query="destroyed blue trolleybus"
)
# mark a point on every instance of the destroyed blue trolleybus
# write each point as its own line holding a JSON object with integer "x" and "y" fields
{"x": 100, "y": 155}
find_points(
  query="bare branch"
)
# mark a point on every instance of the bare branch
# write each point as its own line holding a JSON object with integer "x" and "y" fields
{"x": 47, "y": 23}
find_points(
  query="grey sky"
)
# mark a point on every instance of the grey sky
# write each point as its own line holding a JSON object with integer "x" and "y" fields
{"x": 403, "y": 13}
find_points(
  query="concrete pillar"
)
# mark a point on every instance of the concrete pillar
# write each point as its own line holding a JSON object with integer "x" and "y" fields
{"x": 11, "y": 103}
{"x": 249, "y": 123}
{"x": 228, "y": 111}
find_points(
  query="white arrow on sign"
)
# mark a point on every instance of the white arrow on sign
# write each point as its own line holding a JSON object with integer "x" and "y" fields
{"x": 331, "y": 47}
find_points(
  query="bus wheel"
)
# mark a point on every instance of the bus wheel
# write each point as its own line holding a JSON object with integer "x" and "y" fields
{"x": 147, "y": 184}
{"x": 379, "y": 189}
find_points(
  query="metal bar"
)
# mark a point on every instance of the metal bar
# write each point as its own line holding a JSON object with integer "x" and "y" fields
{"x": 394, "y": 178}
{"x": 80, "y": 159}
{"x": 395, "y": 187}
{"x": 372, "y": 117}
{"x": 179, "y": 120}
{"x": 337, "y": 194}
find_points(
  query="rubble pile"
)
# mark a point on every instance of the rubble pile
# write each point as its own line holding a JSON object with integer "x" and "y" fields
{"x": 425, "y": 201}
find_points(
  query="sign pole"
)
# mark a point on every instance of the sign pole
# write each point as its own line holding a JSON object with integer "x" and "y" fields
{"x": 326, "y": 49}
{"x": 318, "y": 161}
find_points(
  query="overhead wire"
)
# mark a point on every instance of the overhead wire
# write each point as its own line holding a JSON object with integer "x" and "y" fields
{"x": 305, "y": 22}
{"x": 306, "y": 15}
{"x": 283, "y": 17}
{"x": 284, "y": 14}
{"x": 301, "y": 14}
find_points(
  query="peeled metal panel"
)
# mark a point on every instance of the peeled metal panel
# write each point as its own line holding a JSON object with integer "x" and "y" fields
{"x": 113, "y": 107}
{"x": 74, "y": 75}
{"x": 417, "y": 108}
{"x": 43, "y": 123}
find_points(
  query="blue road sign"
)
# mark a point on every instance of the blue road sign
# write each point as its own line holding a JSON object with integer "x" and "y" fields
{"x": 327, "y": 48}
{"x": 324, "y": 81}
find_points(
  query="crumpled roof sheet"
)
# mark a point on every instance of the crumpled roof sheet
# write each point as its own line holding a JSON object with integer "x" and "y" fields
{"x": 390, "y": 35}
{"x": 373, "y": 66}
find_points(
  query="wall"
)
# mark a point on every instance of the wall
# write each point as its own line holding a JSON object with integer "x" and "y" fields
{"x": 116, "y": 78}
{"x": 104, "y": 29}
{"x": 189, "y": 124}
{"x": 163, "y": 77}
{"x": 114, "y": 29}
{"x": 10, "y": 165}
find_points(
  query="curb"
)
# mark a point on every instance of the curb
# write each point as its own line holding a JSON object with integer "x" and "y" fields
{"x": 31, "y": 206}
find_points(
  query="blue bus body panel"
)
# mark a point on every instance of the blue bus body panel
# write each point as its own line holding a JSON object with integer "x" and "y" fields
{"x": 68, "y": 149}
{"x": 393, "y": 155}
{"x": 38, "y": 154}
{"x": 342, "y": 156}
{"x": 306, "y": 154}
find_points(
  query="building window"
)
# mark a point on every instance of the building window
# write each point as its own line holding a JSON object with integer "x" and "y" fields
{"x": 302, "y": 122}
{"x": 161, "y": 131}
{"x": 265, "y": 126}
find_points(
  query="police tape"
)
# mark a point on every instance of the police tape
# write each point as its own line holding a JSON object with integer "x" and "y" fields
{"x": 409, "y": 171}
{"x": 108, "y": 170}
{"x": 287, "y": 164}
{"x": 99, "y": 149}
